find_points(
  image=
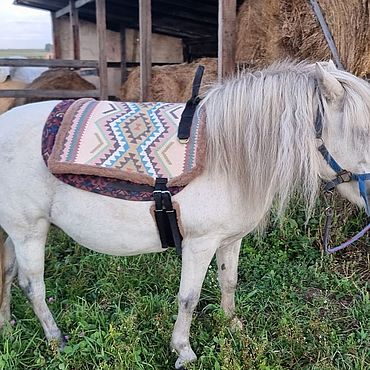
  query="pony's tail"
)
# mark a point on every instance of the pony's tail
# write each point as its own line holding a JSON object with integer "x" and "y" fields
{"x": 2, "y": 270}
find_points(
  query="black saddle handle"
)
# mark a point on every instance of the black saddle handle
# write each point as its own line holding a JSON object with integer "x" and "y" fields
{"x": 186, "y": 120}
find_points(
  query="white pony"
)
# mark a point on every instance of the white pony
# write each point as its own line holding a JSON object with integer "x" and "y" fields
{"x": 261, "y": 148}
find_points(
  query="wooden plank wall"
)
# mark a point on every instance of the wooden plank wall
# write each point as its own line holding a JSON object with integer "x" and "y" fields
{"x": 123, "y": 53}
{"x": 145, "y": 25}
{"x": 75, "y": 29}
{"x": 55, "y": 23}
{"x": 226, "y": 37}
{"x": 101, "y": 24}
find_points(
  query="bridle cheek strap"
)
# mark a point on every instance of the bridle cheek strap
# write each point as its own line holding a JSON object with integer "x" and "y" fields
{"x": 345, "y": 176}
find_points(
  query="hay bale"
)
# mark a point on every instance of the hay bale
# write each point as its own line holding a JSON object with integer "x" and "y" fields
{"x": 7, "y": 103}
{"x": 56, "y": 79}
{"x": 170, "y": 83}
{"x": 274, "y": 29}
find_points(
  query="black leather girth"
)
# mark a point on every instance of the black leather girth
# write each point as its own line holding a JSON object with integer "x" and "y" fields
{"x": 165, "y": 216}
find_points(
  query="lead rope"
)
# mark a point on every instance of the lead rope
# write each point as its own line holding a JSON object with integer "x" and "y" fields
{"x": 329, "y": 213}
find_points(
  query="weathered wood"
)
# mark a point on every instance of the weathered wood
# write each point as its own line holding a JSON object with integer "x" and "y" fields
{"x": 75, "y": 29}
{"x": 145, "y": 25}
{"x": 65, "y": 63}
{"x": 63, "y": 11}
{"x": 56, "y": 36}
{"x": 123, "y": 53}
{"x": 52, "y": 94}
{"x": 226, "y": 37}
{"x": 56, "y": 63}
{"x": 67, "y": 9}
{"x": 327, "y": 34}
{"x": 101, "y": 27}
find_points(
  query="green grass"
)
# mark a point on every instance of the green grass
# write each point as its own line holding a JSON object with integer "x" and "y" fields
{"x": 29, "y": 53}
{"x": 301, "y": 309}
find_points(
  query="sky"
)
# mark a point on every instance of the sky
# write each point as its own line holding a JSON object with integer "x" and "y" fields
{"x": 22, "y": 27}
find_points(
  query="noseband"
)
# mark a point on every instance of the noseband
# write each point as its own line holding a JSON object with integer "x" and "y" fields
{"x": 342, "y": 176}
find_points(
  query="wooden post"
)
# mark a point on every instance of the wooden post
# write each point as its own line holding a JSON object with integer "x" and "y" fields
{"x": 123, "y": 53}
{"x": 75, "y": 29}
{"x": 101, "y": 27}
{"x": 56, "y": 36}
{"x": 226, "y": 37}
{"x": 145, "y": 24}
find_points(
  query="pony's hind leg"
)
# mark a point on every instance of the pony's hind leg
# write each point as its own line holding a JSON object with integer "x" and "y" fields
{"x": 30, "y": 250}
{"x": 196, "y": 257}
{"x": 227, "y": 262}
{"x": 9, "y": 272}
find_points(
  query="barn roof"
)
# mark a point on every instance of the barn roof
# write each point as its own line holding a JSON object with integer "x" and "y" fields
{"x": 192, "y": 20}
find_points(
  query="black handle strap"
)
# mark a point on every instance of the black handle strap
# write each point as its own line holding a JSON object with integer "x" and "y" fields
{"x": 186, "y": 120}
{"x": 197, "y": 81}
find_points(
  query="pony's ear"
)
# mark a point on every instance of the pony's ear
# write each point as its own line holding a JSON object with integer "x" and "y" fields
{"x": 331, "y": 66}
{"x": 329, "y": 85}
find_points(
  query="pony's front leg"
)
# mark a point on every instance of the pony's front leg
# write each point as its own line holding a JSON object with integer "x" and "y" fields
{"x": 196, "y": 257}
{"x": 227, "y": 262}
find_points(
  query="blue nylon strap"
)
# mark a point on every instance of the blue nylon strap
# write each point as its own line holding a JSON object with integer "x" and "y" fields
{"x": 362, "y": 188}
{"x": 361, "y": 176}
{"x": 329, "y": 159}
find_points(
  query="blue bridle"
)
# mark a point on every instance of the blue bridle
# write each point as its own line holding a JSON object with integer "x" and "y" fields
{"x": 342, "y": 174}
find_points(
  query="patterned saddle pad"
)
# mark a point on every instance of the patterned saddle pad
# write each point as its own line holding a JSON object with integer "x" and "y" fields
{"x": 135, "y": 142}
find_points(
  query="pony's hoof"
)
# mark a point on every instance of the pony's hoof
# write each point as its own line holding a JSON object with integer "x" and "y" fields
{"x": 57, "y": 343}
{"x": 236, "y": 324}
{"x": 185, "y": 357}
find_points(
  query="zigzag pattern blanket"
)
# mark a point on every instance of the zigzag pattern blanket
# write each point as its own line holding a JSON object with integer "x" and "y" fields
{"x": 135, "y": 142}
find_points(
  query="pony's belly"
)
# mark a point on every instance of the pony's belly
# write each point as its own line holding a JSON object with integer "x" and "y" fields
{"x": 104, "y": 224}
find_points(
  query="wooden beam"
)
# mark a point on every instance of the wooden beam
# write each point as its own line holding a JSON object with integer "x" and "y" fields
{"x": 67, "y": 9}
{"x": 123, "y": 53}
{"x": 81, "y": 3}
{"x": 226, "y": 37}
{"x": 101, "y": 27}
{"x": 51, "y": 94}
{"x": 56, "y": 63}
{"x": 145, "y": 25}
{"x": 56, "y": 36}
{"x": 65, "y": 63}
{"x": 75, "y": 29}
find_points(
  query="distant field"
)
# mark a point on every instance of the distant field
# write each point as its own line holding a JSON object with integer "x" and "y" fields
{"x": 29, "y": 53}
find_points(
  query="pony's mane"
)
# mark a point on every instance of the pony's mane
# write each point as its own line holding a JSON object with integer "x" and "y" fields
{"x": 261, "y": 136}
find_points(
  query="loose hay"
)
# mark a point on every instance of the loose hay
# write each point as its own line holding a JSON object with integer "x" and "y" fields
{"x": 56, "y": 79}
{"x": 170, "y": 83}
{"x": 274, "y": 29}
{"x": 268, "y": 30}
{"x": 7, "y": 103}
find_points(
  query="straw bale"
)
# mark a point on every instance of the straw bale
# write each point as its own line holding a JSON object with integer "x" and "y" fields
{"x": 56, "y": 79}
{"x": 7, "y": 103}
{"x": 275, "y": 29}
{"x": 170, "y": 83}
